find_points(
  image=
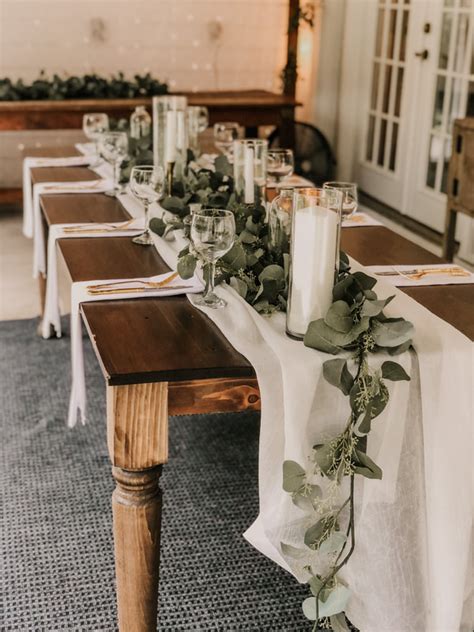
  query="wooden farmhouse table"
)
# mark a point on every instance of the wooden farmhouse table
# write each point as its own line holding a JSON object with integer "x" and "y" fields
{"x": 161, "y": 357}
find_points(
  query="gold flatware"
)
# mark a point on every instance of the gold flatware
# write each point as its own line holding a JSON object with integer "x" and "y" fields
{"x": 93, "y": 228}
{"x": 148, "y": 284}
{"x": 136, "y": 290}
{"x": 418, "y": 273}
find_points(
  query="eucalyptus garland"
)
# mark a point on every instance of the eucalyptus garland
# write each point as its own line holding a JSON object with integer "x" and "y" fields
{"x": 354, "y": 327}
{"x": 91, "y": 86}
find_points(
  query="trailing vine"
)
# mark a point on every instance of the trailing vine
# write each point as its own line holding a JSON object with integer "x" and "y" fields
{"x": 355, "y": 326}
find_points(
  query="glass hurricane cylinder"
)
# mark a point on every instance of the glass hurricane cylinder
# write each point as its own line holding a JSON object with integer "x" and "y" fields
{"x": 279, "y": 220}
{"x": 250, "y": 170}
{"x": 169, "y": 133}
{"x": 314, "y": 256}
{"x": 197, "y": 122}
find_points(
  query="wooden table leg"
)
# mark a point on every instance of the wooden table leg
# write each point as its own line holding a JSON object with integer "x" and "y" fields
{"x": 449, "y": 234}
{"x": 137, "y": 433}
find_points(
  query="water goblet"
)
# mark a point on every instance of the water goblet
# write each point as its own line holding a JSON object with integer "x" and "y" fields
{"x": 224, "y": 136}
{"x": 147, "y": 183}
{"x": 349, "y": 196}
{"x": 212, "y": 235}
{"x": 94, "y": 124}
{"x": 114, "y": 146}
{"x": 280, "y": 164}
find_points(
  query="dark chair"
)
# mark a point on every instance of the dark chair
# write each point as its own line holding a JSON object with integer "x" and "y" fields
{"x": 314, "y": 158}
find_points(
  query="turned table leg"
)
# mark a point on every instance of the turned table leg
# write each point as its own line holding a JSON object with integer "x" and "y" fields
{"x": 449, "y": 234}
{"x": 137, "y": 432}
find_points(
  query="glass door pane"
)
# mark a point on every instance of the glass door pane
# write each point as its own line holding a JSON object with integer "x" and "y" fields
{"x": 453, "y": 87}
{"x": 388, "y": 66}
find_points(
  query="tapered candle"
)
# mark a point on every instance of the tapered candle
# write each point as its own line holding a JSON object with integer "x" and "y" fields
{"x": 313, "y": 257}
{"x": 181, "y": 132}
{"x": 249, "y": 191}
{"x": 170, "y": 141}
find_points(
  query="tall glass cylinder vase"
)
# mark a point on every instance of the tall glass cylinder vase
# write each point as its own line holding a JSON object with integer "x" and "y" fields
{"x": 169, "y": 133}
{"x": 250, "y": 170}
{"x": 314, "y": 255}
{"x": 198, "y": 120}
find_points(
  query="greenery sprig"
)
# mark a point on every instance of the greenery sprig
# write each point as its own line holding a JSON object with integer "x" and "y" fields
{"x": 258, "y": 273}
{"x": 91, "y": 86}
{"x": 355, "y": 324}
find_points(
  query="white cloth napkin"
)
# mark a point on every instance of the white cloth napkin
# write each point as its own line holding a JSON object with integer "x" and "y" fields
{"x": 86, "y": 148}
{"x": 79, "y": 294}
{"x": 50, "y": 188}
{"x": 414, "y": 526}
{"x": 360, "y": 219}
{"x": 30, "y": 163}
{"x": 51, "y": 315}
{"x": 402, "y": 280}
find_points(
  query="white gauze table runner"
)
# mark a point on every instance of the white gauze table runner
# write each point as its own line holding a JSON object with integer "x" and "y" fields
{"x": 51, "y": 315}
{"x": 413, "y": 527}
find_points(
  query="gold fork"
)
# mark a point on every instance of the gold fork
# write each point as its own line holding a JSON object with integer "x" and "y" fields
{"x": 147, "y": 284}
{"x": 136, "y": 290}
{"x": 89, "y": 228}
{"x": 455, "y": 271}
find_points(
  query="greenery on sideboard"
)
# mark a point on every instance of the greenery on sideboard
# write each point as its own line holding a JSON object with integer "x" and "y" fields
{"x": 91, "y": 86}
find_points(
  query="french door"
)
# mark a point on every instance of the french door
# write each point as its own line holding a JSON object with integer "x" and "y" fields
{"x": 419, "y": 77}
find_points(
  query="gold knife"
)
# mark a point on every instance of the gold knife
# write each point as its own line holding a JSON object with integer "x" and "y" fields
{"x": 136, "y": 290}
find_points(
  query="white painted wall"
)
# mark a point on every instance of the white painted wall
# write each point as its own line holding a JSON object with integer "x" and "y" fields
{"x": 172, "y": 39}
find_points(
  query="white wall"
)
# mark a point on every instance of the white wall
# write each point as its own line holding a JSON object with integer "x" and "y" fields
{"x": 172, "y": 39}
{"x": 169, "y": 38}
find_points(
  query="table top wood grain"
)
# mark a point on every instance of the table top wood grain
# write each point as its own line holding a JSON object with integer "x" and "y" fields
{"x": 155, "y": 339}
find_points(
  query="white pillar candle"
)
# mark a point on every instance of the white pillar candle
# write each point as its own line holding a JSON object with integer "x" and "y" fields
{"x": 249, "y": 191}
{"x": 313, "y": 257}
{"x": 181, "y": 131}
{"x": 170, "y": 141}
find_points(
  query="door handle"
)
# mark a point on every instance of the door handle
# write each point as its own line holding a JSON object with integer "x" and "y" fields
{"x": 422, "y": 54}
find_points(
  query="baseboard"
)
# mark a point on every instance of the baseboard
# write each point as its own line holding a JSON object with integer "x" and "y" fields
{"x": 418, "y": 228}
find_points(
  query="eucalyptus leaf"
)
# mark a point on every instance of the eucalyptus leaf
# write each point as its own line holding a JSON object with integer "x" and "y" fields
{"x": 394, "y": 371}
{"x": 336, "y": 601}
{"x": 173, "y": 204}
{"x": 236, "y": 257}
{"x": 239, "y": 286}
{"x": 324, "y": 456}
{"x": 399, "y": 349}
{"x": 157, "y": 225}
{"x": 374, "y": 307}
{"x": 391, "y": 333}
{"x": 334, "y": 543}
{"x": 317, "y": 533}
{"x": 222, "y": 165}
{"x": 338, "y": 623}
{"x": 293, "y": 476}
{"x": 336, "y": 373}
{"x": 292, "y": 551}
{"x": 364, "y": 465}
{"x": 186, "y": 266}
{"x": 339, "y": 317}
{"x": 364, "y": 281}
{"x": 321, "y": 336}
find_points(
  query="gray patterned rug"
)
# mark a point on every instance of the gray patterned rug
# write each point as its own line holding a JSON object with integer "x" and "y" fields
{"x": 56, "y": 536}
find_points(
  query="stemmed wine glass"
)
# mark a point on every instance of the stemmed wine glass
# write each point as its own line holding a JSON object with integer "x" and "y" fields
{"x": 224, "y": 136}
{"x": 280, "y": 164}
{"x": 349, "y": 196}
{"x": 115, "y": 149}
{"x": 94, "y": 125}
{"x": 147, "y": 183}
{"x": 212, "y": 235}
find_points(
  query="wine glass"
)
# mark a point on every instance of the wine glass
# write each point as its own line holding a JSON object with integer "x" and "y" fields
{"x": 203, "y": 119}
{"x": 212, "y": 235}
{"x": 280, "y": 164}
{"x": 349, "y": 196}
{"x": 94, "y": 124}
{"x": 224, "y": 136}
{"x": 114, "y": 149}
{"x": 147, "y": 183}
